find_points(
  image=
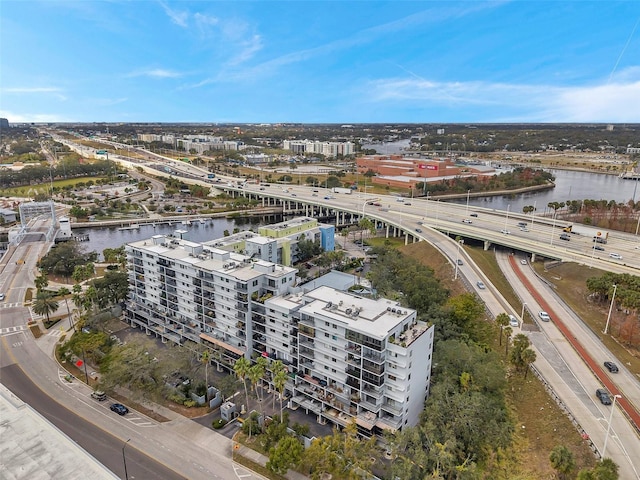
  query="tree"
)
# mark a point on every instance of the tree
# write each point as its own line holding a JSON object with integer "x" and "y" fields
{"x": 528, "y": 356}
{"x": 285, "y": 455}
{"x": 520, "y": 343}
{"x": 64, "y": 293}
{"x": 41, "y": 282}
{"x": 205, "y": 358}
{"x": 502, "y": 320}
{"x": 562, "y": 461}
{"x": 508, "y": 331}
{"x": 44, "y": 304}
{"x": 280, "y": 377}
{"x": 256, "y": 372}
{"x": 241, "y": 367}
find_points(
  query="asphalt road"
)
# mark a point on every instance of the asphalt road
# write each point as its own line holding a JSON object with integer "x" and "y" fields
{"x": 106, "y": 448}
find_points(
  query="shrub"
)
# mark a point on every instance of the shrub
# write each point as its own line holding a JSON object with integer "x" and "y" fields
{"x": 219, "y": 423}
{"x": 189, "y": 403}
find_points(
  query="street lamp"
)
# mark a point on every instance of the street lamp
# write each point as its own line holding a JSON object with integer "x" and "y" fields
{"x": 460, "y": 242}
{"x": 606, "y": 327}
{"x": 606, "y": 437}
{"x": 554, "y": 227}
{"x": 522, "y": 314}
{"x": 507, "y": 217}
{"x": 468, "y": 191}
{"x": 124, "y": 460}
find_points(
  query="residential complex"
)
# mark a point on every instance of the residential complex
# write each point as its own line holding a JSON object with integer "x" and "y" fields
{"x": 329, "y": 149}
{"x": 349, "y": 357}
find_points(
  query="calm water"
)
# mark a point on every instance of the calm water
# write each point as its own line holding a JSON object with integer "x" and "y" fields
{"x": 111, "y": 237}
{"x": 569, "y": 186}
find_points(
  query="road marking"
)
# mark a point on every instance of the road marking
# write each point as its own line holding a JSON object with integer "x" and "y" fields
{"x": 12, "y": 330}
{"x": 56, "y": 333}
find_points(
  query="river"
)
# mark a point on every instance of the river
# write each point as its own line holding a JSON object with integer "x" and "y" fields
{"x": 113, "y": 237}
{"x": 570, "y": 185}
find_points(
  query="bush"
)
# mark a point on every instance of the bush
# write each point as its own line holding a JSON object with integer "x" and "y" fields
{"x": 219, "y": 423}
{"x": 189, "y": 403}
{"x": 176, "y": 397}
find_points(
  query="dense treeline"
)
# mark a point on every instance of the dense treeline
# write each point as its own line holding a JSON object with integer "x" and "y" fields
{"x": 627, "y": 298}
{"x": 36, "y": 174}
{"x": 517, "y": 178}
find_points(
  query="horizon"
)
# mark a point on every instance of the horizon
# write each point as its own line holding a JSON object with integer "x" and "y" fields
{"x": 357, "y": 62}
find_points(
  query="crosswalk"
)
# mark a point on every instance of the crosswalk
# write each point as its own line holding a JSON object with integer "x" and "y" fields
{"x": 12, "y": 330}
{"x": 11, "y": 304}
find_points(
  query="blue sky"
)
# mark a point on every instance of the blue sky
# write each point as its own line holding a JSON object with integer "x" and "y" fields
{"x": 320, "y": 62}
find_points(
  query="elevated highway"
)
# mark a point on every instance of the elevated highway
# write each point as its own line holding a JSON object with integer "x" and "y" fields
{"x": 489, "y": 226}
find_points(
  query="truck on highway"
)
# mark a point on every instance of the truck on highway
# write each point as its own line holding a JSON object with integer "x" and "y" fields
{"x": 597, "y": 234}
{"x": 346, "y": 191}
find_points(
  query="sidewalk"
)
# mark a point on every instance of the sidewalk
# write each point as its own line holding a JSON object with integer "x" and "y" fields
{"x": 180, "y": 425}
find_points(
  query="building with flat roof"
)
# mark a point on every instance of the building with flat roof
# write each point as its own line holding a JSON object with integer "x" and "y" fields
{"x": 32, "y": 447}
{"x": 348, "y": 356}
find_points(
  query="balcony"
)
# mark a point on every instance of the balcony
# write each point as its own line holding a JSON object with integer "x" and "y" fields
{"x": 395, "y": 409}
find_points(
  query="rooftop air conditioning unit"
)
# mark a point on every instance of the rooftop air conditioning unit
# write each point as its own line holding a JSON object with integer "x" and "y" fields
{"x": 348, "y": 311}
{"x": 329, "y": 305}
{"x": 393, "y": 310}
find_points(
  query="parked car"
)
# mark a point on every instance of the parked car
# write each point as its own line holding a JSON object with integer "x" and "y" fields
{"x": 481, "y": 285}
{"x": 544, "y": 316}
{"x": 119, "y": 408}
{"x": 100, "y": 396}
{"x": 612, "y": 367}
{"x": 603, "y": 395}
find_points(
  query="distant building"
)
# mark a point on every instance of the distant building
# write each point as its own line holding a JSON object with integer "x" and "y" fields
{"x": 632, "y": 150}
{"x": 4, "y": 123}
{"x": 329, "y": 149}
{"x": 8, "y": 216}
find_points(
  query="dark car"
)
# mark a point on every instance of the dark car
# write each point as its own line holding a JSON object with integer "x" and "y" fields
{"x": 603, "y": 395}
{"x": 119, "y": 408}
{"x": 598, "y": 247}
{"x": 419, "y": 230}
{"x": 473, "y": 214}
{"x": 612, "y": 367}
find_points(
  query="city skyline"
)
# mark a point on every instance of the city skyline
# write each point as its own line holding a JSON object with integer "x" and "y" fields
{"x": 320, "y": 62}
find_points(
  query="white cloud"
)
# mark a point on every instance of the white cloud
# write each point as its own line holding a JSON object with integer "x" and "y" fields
{"x": 155, "y": 73}
{"x": 610, "y": 102}
{"x": 32, "y": 117}
{"x": 179, "y": 18}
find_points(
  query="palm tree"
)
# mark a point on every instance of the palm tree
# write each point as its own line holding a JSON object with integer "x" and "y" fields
{"x": 528, "y": 356}
{"x": 502, "y": 321}
{"x": 45, "y": 304}
{"x": 280, "y": 377}
{"x": 64, "y": 292}
{"x": 242, "y": 367}
{"x": 562, "y": 461}
{"x": 204, "y": 358}
{"x": 256, "y": 372}
{"x": 508, "y": 331}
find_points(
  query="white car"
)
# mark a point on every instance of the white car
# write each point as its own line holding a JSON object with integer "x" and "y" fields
{"x": 1, "y": 296}
{"x": 617, "y": 256}
{"x": 506, "y": 232}
{"x": 544, "y": 316}
{"x": 466, "y": 220}
{"x": 523, "y": 262}
{"x": 513, "y": 321}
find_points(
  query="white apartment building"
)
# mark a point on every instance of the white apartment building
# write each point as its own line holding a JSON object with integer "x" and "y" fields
{"x": 182, "y": 290}
{"x": 349, "y": 357}
{"x": 356, "y": 357}
{"x": 329, "y": 149}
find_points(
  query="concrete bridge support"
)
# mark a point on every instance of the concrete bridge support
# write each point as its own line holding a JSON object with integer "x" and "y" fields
{"x": 487, "y": 245}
